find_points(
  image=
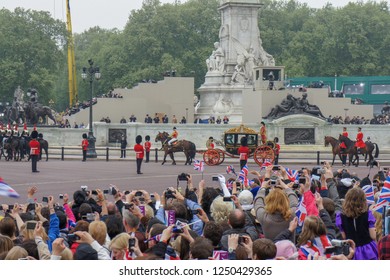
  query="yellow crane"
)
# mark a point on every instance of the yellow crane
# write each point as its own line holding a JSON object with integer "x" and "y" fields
{"x": 72, "y": 81}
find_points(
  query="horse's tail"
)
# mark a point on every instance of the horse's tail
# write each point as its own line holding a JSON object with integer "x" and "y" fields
{"x": 376, "y": 150}
{"x": 192, "y": 151}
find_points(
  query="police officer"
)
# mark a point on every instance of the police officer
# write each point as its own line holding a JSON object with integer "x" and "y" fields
{"x": 35, "y": 148}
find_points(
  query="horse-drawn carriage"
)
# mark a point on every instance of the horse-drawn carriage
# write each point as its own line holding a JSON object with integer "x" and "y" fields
{"x": 232, "y": 139}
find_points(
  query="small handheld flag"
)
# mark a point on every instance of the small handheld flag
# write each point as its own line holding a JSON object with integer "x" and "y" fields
{"x": 301, "y": 212}
{"x": 230, "y": 169}
{"x": 199, "y": 165}
{"x": 6, "y": 190}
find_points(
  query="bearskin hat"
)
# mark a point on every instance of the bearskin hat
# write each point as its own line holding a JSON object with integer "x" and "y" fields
{"x": 85, "y": 136}
{"x": 34, "y": 134}
{"x": 244, "y": 141}
{"x": 138, "y": 139}
{"x": 147, "y": 138}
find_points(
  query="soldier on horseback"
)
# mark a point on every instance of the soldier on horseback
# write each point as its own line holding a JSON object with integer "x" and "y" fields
{"x": 359, "y": 140}
{"x": 173, "y": 137}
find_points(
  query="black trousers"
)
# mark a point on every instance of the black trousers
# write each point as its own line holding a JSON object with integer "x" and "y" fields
{"x": 139, "y": 162}
{"x": 242, "y": 163}
{"x": 147, "y": 156}
{"x": 123, "y": 153}
{"x": 34, "y": 160}
{"x": 276, "y": 160}
{"x": 84, "y": 155}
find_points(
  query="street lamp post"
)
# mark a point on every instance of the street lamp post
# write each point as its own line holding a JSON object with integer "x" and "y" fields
{"x": 186, "y": 114}
{"x": 94, "y": 74}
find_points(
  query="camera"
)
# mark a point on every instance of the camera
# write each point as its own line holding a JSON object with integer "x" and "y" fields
{"x": 84, "y": 188}
{"x": 227, "y": 198}
{"x": 139, "y": 193}
{"x": 215, "y": 178}
{"x": 131, "y": 243}
{"x": 73, "y": 237}
{"x": 94, "y": 192}
{"x": 276, "y": 167}
{"x": 182, "y": 177}
{"x": 113, "y": 191}
{"x": 273, "y": 180}
{"x": 302, "y": 180}
{"x": 45, "y": 199}
{"x": 195, "y": 212}
{"x": 10, "y": 207}
{"x": 241, "y": 240}
{"x": 61, "y": 196}
{"x": 238, "y": 184}
{"x": 106, "y": 191}
{"x": 340, "y": 247}
{"x": 295, "y": 186}
{"x": 169, "y": 194}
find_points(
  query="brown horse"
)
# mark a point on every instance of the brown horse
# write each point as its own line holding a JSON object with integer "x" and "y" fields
{"x": 185, "y": 146}
{"x": 353, "y": 152}
{"x": 335, "y": 146}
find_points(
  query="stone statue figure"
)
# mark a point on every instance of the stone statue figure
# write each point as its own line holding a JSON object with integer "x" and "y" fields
{"x": 239, "y": 75}
{"x": 291, "y": 105}
{"x": 284, "y": 108}
{"x": 223, "y": 105}
{"x": 265, "y": 58}
{"x": 308, "y": 108}
{"x": 216, "y": 61}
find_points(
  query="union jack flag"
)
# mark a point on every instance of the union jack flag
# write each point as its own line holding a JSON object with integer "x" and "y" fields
{"x": 6, "y": 190}
{"x": 243, "y": 177}
{"x": 379, "y": 206}
{"x": 369, "y": 191}
{"x": 301, "y": 212}
{"x": 245, "y": 170}
{"x": 266, "y": 162}
{"x": 230, "y": 169}
{"x": 384, "y": 196}
{"x": 292, "y": 174}
{"x": 199, "y": 165}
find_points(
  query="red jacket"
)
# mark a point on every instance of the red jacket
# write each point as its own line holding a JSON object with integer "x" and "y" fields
{"x": 139, "y": 151}
{"x": 84, "y": 144}
{"x": 147, "y": 146}
{"x": 35, "y": 147}
{"x": 243, "y": 152}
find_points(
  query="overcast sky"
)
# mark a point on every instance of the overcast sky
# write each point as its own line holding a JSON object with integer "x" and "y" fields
{"x": 107, "y": 13}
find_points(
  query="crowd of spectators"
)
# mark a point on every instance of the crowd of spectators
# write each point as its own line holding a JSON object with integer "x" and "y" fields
{"x": 378, "y": 119}
{"x": 111, "y": 94}
{"x": 226, "y": 221}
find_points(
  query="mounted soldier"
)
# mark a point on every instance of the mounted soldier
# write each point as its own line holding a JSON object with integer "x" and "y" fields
{"x": 343, "y": 147}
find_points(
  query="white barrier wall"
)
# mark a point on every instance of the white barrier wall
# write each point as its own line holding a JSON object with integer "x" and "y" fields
{"x": 199, "y": 133}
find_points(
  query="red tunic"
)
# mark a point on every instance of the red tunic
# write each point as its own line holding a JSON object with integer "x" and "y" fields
{"x": 212, "y": 145}
{"x": 342, "y": 144}
{"x": 359, "y": 140}
{"x": 277, "y": 149}
{"x": 174, "y": 134}
{"x": 35, "y": 147}
{"x": 139, "y": 151}
{"x": 243, "y": 152}
{"x": 84, "y": 144}
{"x": 147, "y": 146}
{"x": 263, "y": 134}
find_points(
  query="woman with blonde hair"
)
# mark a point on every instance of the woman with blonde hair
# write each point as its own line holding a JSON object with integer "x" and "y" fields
{"x": 356, "y": 222}
{"x": 275, "y": 210}
{"x": 6, "y": 244}
{"x": 119, "y": 246}
{"x": 16, "y": 253}
{"x": 220, "y": 209}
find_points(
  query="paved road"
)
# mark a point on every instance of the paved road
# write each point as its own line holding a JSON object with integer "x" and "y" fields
{"x": 58, "y": 176}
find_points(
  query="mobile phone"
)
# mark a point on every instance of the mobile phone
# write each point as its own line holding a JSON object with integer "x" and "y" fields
{"x": 10, "y": 207}
{"x": 127, "y": 192}
{"x": 31, "y": 225}
{"x": 61, "y": 196}
{"x": 182, "y": 177}
{"x": 45, "y": 199}
{"x": 195, "y": 211}
{"x": 73, "y": 237}
{"x": 106, "y": 191}
{"x": 227, "y": 198}
{"x": 241, "y": 239}
{"x": 302, "y": 180}
{"x": 276, "y": 167}
{"x": 113, "y": 191}
{"x": 177, "y": 229}
{"x": 238, "y": 184}
{"x": 139, "y": 193}
{"x": 215, "y": 178}
{"x": 94, "y": 192}
{"x": 1, "y": 208}
{"x": 151, "y": 195}
{"x": 129, "y": 206}
{"x": 90, "y": 216}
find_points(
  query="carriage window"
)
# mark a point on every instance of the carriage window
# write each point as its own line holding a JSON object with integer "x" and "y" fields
{"x": 380, "y": 89}
{"x": 230, "y": 139}
{"x": 357, "y": 88}
{"x": 252, "y": 140}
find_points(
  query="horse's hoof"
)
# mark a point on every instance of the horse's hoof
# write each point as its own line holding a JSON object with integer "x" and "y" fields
{"x": 162, "y": 163}
{"x": 173, "y": 163}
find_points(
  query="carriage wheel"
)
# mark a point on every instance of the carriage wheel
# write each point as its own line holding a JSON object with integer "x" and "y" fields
{"x": 221, "y": 155}
{"x": 262, "y": 154}
{"x": 211, "y": 157}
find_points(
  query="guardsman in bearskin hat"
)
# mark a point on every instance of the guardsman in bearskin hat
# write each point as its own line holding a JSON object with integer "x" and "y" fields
{"x": 84, "y": 146}
{"x": 139, "y": 152}
{"x": 147, "y": 146}
{"x": 243, "y": 152}
{"x": 35, "y": 149}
